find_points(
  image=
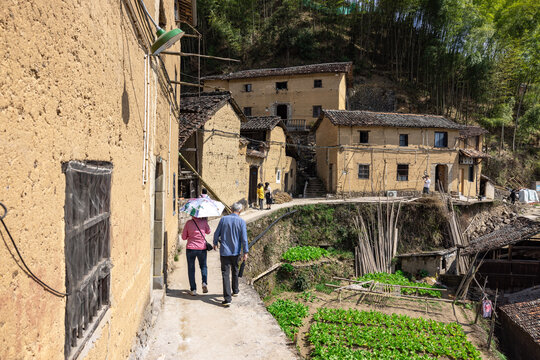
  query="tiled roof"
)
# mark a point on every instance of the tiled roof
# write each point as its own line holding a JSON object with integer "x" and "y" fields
{"x": 474, "y": 153}
{"x": 526, "y": 315}
{"x": 519, "y": 230}
{"x": 370, "y": 118}
{"x": 471, "y": 131}
{"x": 195, "y": 111}
{"x": 262, "y": 123}
{"x": 341, "y": 67}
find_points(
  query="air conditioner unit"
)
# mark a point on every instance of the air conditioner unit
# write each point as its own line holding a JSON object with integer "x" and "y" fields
{"x": 392, "y": 193}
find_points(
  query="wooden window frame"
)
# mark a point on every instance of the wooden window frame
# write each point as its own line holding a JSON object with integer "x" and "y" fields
{"x": 317, "y": 110}
{"x": 400, "y": 175}
{"x": 279, "y": 85}
{"x": 404, "y": 137}
{"x": 363, "y": 171}
{"x": 363, "y": 132}
{"x": 436, "y": 142}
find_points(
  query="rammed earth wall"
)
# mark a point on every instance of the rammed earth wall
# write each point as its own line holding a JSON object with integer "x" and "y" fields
{"x": 72, "y": 85}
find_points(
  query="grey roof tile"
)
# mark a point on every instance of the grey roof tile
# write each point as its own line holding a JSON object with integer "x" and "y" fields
{"x": 340, "y": 67}
{"x": 370, "y": 118}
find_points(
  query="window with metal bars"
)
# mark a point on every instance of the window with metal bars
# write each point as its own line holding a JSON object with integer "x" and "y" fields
{"x": 403, "y": 172}
{"x": 363, "y": 171}
{"x": 87, "y": 250}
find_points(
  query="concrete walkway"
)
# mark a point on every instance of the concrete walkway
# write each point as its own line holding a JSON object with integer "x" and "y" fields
{"x": 198, "y": 327}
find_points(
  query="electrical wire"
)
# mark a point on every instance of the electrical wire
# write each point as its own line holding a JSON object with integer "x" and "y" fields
{"x": 29, "y": 272}
{"x": 344, "y": 147}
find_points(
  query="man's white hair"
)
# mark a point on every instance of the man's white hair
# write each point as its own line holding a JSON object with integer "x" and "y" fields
{"x": 237, "y": 207}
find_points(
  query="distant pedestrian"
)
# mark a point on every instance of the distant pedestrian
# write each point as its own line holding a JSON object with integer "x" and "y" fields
{"x": 260, "y": 195}
{"x": 427, "y": 183}
{"x": 204, "y": 192}
{"x": 231, "y": 235}
{"x": 268, "y": 195}
{"x": 193, "y": 232}
{"x": 513, "y": 196}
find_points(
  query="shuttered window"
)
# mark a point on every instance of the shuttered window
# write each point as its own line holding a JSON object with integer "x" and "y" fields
{"x": 87, "y": 250}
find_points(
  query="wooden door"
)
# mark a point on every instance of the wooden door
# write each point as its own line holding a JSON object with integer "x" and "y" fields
{"x": 331, "y": 178}
{"x": 253, "y": 177}
{"x": 462, "y": 181}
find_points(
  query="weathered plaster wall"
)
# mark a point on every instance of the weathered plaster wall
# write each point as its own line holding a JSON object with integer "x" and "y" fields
{"x": 326, "y": 135}
{"x": 275, "y": 160}
{"x": 223, "y": 164}
{"x": 300, "y": 95}
{"x": 72, "y": 88}
{"x": 383, "y": 154}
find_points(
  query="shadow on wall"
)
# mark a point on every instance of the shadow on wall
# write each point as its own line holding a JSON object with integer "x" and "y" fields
{"x": 125, "y": 105}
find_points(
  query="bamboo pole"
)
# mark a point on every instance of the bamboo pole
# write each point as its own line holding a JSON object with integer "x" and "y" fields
{"x": 203, "y": 182}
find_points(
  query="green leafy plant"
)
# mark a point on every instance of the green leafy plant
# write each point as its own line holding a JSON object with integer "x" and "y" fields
{"x": 353, "y": 334}
{"x": 307, "y": 296}
{"x": 289, "y": 315}
{"x": 304, "y": 253}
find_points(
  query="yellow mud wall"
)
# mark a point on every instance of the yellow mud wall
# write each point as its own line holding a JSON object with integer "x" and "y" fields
{"x": 72, "y": 85}
{"x": 291, "y": 170}
{"x": 300, "y": 95}
{"x": 275, "y": 160}
{"x": 223, "y": 164}
{"x": 383, "y": 154}
{"x": 326, "y": 135}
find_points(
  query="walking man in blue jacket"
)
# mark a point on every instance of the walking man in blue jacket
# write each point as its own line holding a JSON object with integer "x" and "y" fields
{"x": 231, "y": 238}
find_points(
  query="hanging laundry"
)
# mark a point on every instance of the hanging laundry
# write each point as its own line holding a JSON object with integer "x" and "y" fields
{"x": 487, "y": 308}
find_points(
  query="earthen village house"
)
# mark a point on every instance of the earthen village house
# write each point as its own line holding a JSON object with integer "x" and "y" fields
{"x": 363, "y": 152}
{"x": 230, "y": 153}
{"x": 296, "y": 94}
{"x": 89, "y": 160}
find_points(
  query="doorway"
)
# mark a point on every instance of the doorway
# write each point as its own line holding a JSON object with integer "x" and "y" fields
{"x": 462, "y": 181}
{"x": 286, "y": 182}
{"x": 282, "y": 110}
{"x": 441, "y": 178}
{"x": 253, "y": 177}
{"x": 330, "y": 177}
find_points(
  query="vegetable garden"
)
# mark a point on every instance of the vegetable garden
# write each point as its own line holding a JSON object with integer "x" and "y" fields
{"x": 353, "y": 334}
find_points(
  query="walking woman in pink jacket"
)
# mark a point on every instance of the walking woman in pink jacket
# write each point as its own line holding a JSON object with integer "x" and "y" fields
{"x": 194, "y": 232}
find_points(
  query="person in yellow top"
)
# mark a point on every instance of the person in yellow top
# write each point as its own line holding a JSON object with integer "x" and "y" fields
{"x": 260, "y": 195}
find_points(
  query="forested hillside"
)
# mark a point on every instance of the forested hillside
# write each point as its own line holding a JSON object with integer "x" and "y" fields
{"x": 477, "y": 62}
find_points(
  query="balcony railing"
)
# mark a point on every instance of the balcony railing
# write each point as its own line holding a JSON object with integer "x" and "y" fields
{"x": 296, "y": 125}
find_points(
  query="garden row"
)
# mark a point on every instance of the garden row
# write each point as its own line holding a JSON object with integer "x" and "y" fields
{"x": 353, "y": 334}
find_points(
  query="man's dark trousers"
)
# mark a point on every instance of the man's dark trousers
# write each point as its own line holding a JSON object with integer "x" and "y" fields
{"x": 229, "y": 263}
